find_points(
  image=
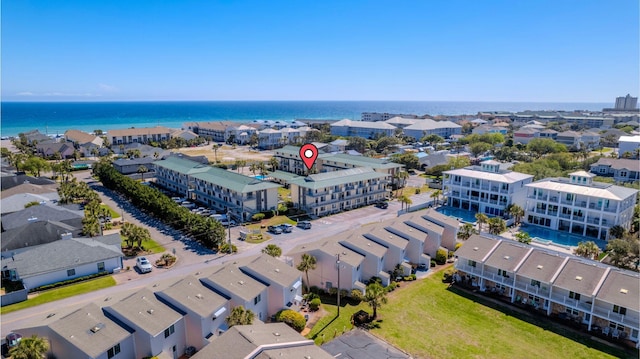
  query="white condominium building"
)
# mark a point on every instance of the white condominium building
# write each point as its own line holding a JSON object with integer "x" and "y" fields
{"x": 332, "y": 192}
{"x": 362, "y": 129}
{"x": 578, "y": 205}
{"x": 485, "y": 188}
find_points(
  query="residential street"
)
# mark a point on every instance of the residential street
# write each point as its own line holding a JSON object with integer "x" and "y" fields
{"x": 191, "y": 256}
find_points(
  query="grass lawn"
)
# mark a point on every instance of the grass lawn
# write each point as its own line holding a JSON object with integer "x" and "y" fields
{"x": 329, "y": 324}
{"x": 284, "y": 193}
{"x": 61, "y": 293}
{"x": 149, "y": 245}
{"x": 426, "y": 319}
{"x": 113, "y": 213}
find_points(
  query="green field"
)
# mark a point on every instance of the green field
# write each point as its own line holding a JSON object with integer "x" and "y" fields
{"x": 112, "y": 212}
{"x": 149, "y": 245}
{"x": 61, "y": 293}
{"x": 427, "y": 319}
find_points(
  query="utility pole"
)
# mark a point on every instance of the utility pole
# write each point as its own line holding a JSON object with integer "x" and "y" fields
{"x": 229, "y": 229}
{"x": 338, "y": 266}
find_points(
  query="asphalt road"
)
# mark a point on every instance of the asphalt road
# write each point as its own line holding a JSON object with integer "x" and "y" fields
{"x": 191, "y": 256}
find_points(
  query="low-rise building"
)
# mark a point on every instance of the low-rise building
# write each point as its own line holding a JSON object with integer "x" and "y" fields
{"x": 332, "y": 192}
{"x": 157, "y": 329}
{"x": 213, "y": 130}
{"x": 242, "y": 196}
{"x": 629, "y": 146}
{"x": 421, "y": 128}
{"x": 621, "y": 169}
{"x": 49, "y": 149}
{"x": 485, "y": 189}
{"x": 128, "y": 166}
{"x": 364, "y": 129}
{"x": 204, "y": 310}
{"x": 579, "y": 205}
{"x": 139, "y": 135}
{"x": 553, "y": 283}
{"x": 79, "y": 138}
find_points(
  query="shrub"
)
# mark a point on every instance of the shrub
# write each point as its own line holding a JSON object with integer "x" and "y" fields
{"x": 344, "y": 293}
{"x": 292, "y": 318}
{"x": 258, "y": 217}
{"x": 441, "y": 256}
{"x": 413, "y": 277}
{"x": 356, "y": 294}
{"x": 221, "y": 165}
{"x": 417, "y": 190}
{"x": 333, "y": 291}
{"x": 66, "y": 282}
{"x": 433, "y": 263}
{"x": 268, "y": 214}
{"x": 315, "y": 290}
{"x": 225, "y": 248}
{"x": 375, "y": 280}
{"x": 458, "y": 245}
{"x": 450, "y": 254}
{"x": 392, "y": 286}
{"x": 311, "y": 296}
{"x": 314, "y": 304}
{"x": 31, "y": 204}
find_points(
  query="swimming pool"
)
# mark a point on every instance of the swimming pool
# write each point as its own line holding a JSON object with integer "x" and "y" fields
{"x": 557, "y": 237}
{"x": 260, "y": 177}
{"x": 458, "y": 213}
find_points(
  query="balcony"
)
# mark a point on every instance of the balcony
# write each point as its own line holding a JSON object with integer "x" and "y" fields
{"x": 571, "y": 302}
{"x": 476, "y": 186}
{"x": 595, "y": 206}
{"x": 467, "y": 268}
{"x": 578, "y": 218}
{"x": 498, "y": 278}
{"x": 533, "y": 289}
{"x": 581, "y": 204}
{"x": 553, "y": 213}
{"x": 564, "y": 215}
{"x": 553, "y": 199}
{"x": 592, "y": 220}
{"x": 628, "y": 320}
{"x": 466, "y": 184}
{"x": 568, "y": 203}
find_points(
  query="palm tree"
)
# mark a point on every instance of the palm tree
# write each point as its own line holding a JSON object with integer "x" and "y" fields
{"x": 307, "y": 263}
{"x": 405, "y": 202}
{"x": 402, "y": 178}
{"x": 523, "y": 237}
{"x": 617, "y": 231}
{"x": 517, "y": 212}
{"x": 436, "y": 196}
{"x": 466, "y": 231}
{"x": 497, "y": 225}
{"x": 253, "y": 168}
{"x": 240, "y": 164}
{"x": 587, "y": 249}
{"x": 481, "y": 218}
{"x": 375, "y": 296}
{"x": 272, "y": 250}
{"x": 215, "y": 151}
{"x": 142, "y": 170}
{"x": 273, "y": 163}
{"x": 240, "y": 316}
{"x": 30, "y": 348}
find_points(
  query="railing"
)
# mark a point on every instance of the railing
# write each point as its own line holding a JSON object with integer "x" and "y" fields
{"x": 629, "y": 320}
{"x": 553, "y": 199}
{"x": 581, "y": 204}
{"x": 475, "y": 198}
{"x": 593, "y": 206}
{"x": 466, "y": 184}
{"x": 540, "y": 211}
{"x": 504, "y": 191}
{"x": 570, "y": 203}
{"x": 553, "y": 213}
{"x": 476, "y": 186}
{"x": 468, "y": 269}
{"x": 578, "y": 218}
{"x": 610, "y": 210}
{"x": 593, "y": 220}
{"x": 564, "y": 215}
{"x": 533, "y": 289}
{"x": 499, "y": 278}
{"x": 571, "y": 302}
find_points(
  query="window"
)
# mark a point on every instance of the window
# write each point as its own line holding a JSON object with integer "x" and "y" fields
{"x": 574, "y": 295}
{"x": 101, "y": 267}
{"x": 620, "y": 310}
{"x": 169, "y": 331}
{"x": 113, "y": 351}
{"x": 256, "y": 300}
{"x": 472, "y": 263}
{"x": 71, "y": 272}
{"x": 503, "y": 273}
{"x": 535, "y": 283}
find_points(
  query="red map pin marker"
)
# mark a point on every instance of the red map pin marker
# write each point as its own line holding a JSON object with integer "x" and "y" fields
{"x": 308, "y": 154}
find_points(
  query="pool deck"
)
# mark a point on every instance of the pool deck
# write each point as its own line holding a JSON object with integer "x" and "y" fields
{"x": 511, "y": 234}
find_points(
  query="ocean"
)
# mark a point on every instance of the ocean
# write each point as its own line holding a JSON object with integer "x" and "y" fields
{"x": 54, "y": 118}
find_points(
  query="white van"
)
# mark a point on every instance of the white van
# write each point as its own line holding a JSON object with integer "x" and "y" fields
{"x": 188, "y": 204}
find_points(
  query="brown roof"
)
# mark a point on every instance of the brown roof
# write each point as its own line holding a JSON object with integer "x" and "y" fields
{"x": 619, "y": 163}
{"x": 580, "y": 277}
{"x": 139, "y": 131}
{"x": 79, "y": 136}
{"x": 621, "y": 288}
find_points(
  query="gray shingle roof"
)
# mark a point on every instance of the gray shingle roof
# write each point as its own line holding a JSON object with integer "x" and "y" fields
{"x": 508, "y": 256}
{"x": 276, "y": 271}
{"x": 192, "y": 294}
{"x": 477, "y": 248}
{"x": 359, "y": 161}
{"x": 580, "y": 277}
{"x": 144, "y": 310}
{"x": 36, "y": 214}
{"x": 230, "y": 279}
{"x": 63, "y": 254}
{"x": 12, "y": 181}
{"x": 541, "y": 266}
{"x": 89, "y": 330}
{"x": 621, "y": 288}
{"x": 37, "y": 233}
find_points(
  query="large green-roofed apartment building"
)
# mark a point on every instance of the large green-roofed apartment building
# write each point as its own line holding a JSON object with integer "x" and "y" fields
{"x": 217, "y": 188}
{"x": 332, "y": 192}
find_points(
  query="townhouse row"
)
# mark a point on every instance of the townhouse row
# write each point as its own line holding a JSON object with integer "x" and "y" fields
{"x": 269, "y": 135}
{"x": 410, "y": 127}
{"x": 598, "y": 296}
{"x": 348, "y": 260}
{"x": 170, "y": 316}
{"x": 576, "y": 205}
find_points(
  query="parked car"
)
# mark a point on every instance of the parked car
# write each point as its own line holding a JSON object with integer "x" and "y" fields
{"x": 143, "y": 265}
{"x": 274, "y": 229}
{"x": 226, "y": 223}
{"x": 286, "y": 228}
{"x": 383, "y": 205}
{"x": 304, "y": 224}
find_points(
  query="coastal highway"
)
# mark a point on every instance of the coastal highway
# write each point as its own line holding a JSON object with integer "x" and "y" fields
{"x": 192, "y": 258}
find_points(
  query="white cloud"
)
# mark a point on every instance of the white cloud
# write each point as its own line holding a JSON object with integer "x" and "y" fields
{"x": 107, "y": 88}
{"x": 26, "y": 93}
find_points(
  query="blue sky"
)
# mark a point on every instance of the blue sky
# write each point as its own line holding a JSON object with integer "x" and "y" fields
{"x": 538, "y": 51}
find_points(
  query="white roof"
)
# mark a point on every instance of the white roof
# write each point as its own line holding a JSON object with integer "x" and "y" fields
{"x": 431, "y": 124}
{"x": 401, "y": 120}
{"x": 507, "y": 177}
{"x": 612, "y": 192}
{"x": 363, "y": 124}
{"x": 629, "y": 139}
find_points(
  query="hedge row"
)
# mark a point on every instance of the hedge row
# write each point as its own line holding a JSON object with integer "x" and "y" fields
{"x": 67, "y": 282}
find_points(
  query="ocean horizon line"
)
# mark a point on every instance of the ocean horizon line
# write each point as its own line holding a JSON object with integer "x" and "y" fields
{"x": 378, "y": 101}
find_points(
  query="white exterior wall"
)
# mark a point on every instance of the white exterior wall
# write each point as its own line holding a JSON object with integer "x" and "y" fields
{"x": 326, "y": 272}
{"x": 61, "y": 275}
{"x": 628, "y": 146}
{"x": 161, "y": 344}
{"x": 329, "y": 200}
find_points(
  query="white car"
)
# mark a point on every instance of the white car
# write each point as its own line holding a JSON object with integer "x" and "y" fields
{"x": 143, "y": 265}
